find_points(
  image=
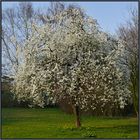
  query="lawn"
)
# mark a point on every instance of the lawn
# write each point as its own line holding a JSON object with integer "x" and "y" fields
{"x": 53, "y": 123}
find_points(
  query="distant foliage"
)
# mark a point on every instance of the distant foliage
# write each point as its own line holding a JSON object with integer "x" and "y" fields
{"x": 129, "y": 34}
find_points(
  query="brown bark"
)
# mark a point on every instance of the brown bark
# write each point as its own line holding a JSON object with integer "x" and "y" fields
{"x": 77, "y": 115}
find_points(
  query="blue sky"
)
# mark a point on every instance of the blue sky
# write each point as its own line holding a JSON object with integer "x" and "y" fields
{"x": 109, "y": 15}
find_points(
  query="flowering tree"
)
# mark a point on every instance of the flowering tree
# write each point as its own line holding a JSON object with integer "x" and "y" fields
{"x": 70, "y": 57}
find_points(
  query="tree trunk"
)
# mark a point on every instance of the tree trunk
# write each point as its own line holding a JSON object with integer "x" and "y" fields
{"x": 137, "y": 114}
{"x": 77, "y": 115}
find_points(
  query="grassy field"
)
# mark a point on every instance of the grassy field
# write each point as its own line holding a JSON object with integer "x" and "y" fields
{"x": 53, "y": 123}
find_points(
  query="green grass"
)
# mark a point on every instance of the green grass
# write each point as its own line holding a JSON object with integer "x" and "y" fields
{"x": 53, "y": 123}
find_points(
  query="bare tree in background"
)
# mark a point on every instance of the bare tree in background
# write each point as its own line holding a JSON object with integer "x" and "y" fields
{"x": 53, "y": 9}
{"x": 129, "y": 34}
{"x": 16, "y": 25}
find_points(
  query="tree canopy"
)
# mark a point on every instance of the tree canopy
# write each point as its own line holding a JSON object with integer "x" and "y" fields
{"x": 70, "y": 56}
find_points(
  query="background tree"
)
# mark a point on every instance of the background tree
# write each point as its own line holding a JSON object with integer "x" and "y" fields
{"x": 72, "y": 58}
{"x": 16, "y": 28}
{"x": 129, "y": 34}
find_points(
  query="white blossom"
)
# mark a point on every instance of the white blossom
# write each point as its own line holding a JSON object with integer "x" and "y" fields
{"x": 77, "y": 61}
